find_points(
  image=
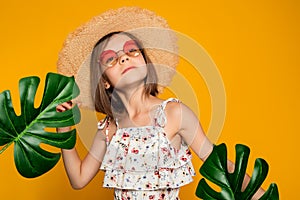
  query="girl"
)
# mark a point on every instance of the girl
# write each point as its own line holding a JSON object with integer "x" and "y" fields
{"x": 143, "y": 143}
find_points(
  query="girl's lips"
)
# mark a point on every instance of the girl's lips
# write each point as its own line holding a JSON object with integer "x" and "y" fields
{"x": 127, "y": 69}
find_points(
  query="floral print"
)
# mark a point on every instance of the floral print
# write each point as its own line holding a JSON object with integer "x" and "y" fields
{"x": 141, "y": 163}
{"x": 166, "y": 194}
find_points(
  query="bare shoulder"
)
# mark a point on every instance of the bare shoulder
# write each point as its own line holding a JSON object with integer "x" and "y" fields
{"x": 173, "y": 108}
{"x": 176, "y": 109}
{"x": 180, "y": 115}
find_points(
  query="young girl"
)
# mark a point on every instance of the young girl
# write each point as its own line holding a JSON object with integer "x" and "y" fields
{"x": 143, "y": 143}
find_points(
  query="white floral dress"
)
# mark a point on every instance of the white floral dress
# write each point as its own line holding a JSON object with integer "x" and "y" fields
{"x": 140, "y": 162}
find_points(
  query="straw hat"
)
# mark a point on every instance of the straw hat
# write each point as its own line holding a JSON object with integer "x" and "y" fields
{"x": 159, "y": 41}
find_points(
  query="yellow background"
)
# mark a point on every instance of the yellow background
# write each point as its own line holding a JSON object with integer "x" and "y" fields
{"x": 255, "y": 45}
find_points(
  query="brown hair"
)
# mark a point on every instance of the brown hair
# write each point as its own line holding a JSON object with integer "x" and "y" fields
{"x": 105, "y": 100}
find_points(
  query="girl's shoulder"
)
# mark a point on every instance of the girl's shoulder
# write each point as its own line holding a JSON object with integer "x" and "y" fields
{"x": 171, "y": 105}
{"x": 172, "y": 109}
{"x": 168, "y": 107}
{"x": 175, "y": 111}
{"x": 164, "y": 103}
{"x": 107, "y": 127}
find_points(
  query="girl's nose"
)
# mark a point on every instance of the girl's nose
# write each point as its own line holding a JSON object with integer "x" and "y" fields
{"x": 124, "y": 58}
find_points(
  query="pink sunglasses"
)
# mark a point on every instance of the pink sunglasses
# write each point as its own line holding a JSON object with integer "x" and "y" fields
{"x": 109, "y": 58}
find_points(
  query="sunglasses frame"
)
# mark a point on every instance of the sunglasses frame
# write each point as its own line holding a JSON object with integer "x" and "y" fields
{"x": 116, "y": 57}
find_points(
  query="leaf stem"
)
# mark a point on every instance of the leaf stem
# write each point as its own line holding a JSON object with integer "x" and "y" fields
{"x": 5, "y": 147}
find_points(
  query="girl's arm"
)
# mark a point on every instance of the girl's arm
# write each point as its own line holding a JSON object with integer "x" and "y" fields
{"x": 187, "y": 125}
{"x": 181, "y": 120}
{"x": 81, "y": 172}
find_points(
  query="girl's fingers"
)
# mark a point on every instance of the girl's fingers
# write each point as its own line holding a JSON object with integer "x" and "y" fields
{"x": 64, "y": 106}
{"x": 70, "y": 103}
{"x": 60, "y": 108}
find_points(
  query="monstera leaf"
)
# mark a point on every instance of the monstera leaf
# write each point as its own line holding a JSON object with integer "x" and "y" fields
{"x": 215, "y": 170}
{"x": 28, "y": 130}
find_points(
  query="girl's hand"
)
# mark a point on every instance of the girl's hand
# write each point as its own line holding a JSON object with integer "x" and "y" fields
{"x": 61, "y": 108}
{"x": 64, "y": 106}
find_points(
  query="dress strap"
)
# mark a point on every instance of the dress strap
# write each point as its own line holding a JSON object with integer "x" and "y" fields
{"x": 160, "y": 118}
{"x": 117, "y": 123}
{"x": 164, "y": 103}
{"x": 104, "y": 124}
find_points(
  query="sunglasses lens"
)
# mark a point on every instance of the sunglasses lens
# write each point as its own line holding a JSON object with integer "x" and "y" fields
{"x": 131, "y": 48}
{"x": 133, "y": 53}
{"x": 108, "y": 58}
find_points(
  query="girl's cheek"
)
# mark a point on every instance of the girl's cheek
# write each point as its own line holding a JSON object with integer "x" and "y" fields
{"x": 111, "y": 75}
{"x": 142, "y": 60}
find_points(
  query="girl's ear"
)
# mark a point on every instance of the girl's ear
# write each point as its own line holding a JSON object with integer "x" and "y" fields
{"x": 106, "y": 85}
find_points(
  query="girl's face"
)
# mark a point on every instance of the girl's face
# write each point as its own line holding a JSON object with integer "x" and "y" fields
{"x": 122, "y": 62}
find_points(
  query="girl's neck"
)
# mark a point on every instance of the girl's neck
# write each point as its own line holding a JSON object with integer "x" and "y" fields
{"x": 134, "y": 99}
{"x": 137, "y": 104}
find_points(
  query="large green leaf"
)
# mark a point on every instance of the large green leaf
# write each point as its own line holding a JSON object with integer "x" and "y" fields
{"x": 215, "y": 170}
{"x": 27, "y": 131}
